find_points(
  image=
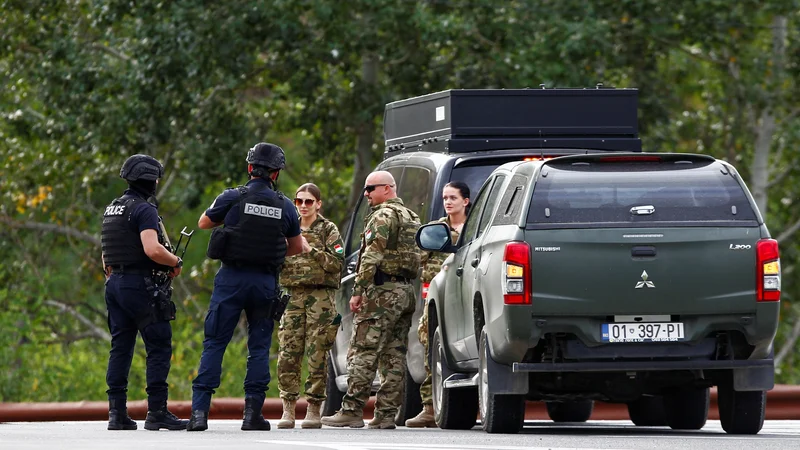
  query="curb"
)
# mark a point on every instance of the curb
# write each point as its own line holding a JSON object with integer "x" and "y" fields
{"x": 783, "y": 403}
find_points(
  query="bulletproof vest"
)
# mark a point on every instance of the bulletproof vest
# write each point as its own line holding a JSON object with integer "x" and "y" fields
{"x": 257, "y": 240}
{"x": 434, "y": 260}
{"x": 121, "y": 241}
{"x": 401, "y": 257}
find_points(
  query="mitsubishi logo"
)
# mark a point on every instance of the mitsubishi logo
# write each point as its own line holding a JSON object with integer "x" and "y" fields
{"x": 644, "y": 282}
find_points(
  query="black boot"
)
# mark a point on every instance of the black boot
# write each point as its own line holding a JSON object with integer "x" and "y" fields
{"x": 118, "y": 416}
{"x": 159, "y": 417}
{"x": 253, "y": 420}
{"x": 198, "y": 421}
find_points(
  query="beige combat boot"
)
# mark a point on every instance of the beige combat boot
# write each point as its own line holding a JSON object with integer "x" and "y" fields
{"x": 344, "y": 419}
{"x": 287, "y": 420}
{"x": 383, "y": 423}
{"x": 424, "y": 419}
{"x": 312, "y": 419}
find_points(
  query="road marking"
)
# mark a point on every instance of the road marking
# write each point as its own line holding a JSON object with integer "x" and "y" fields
{"x": 395, "y": 446}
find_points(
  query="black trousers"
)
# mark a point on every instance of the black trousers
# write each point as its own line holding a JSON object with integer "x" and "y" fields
{"x": 127, "y": 304}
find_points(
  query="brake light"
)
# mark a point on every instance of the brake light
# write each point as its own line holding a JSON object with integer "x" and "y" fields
{"x": 768, "y": 269}
{"x": 425, "y": 287}
{"x": 537, "y": 158}
{"x": 630, "y": 159}
{"x": 517, "y": 274}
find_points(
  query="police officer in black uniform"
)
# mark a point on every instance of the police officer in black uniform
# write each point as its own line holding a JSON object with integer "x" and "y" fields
{"x": 261, "y": 228}
{"x": 133, "y": 253}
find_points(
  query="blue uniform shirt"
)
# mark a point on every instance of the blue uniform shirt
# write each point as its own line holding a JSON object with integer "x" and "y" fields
{"x": 144, "y": 215}
{"x": 221, "y": 210}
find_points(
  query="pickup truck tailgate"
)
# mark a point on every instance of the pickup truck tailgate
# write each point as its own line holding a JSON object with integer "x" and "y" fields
{"x": 643, "y": 271}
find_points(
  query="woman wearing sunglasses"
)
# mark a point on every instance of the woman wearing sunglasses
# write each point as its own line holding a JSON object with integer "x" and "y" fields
{"x": 455, "y": 197}
{"x": 310, "y": 322}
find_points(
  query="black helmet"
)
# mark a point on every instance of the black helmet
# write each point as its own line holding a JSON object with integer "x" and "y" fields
{"x": 268, "y": 155}
{"x": 141, "y": 167}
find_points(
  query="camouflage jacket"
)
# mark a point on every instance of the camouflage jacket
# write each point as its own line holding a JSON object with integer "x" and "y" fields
{"x": 431, "y": 262}
{"x": 387, "y": 244}
{"x": 322, "y": 266}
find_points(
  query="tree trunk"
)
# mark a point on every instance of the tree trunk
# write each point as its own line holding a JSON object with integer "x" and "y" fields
{"x": 365, "y": 139}
{"x": 759, "y": 170}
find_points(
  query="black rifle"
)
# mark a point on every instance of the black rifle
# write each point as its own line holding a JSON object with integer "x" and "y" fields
{"x": 161, "y": 289}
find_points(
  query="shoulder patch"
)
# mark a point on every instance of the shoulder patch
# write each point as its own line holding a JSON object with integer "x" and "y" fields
{"x": 368, "y": 235}
{"x": 338, "y": 248}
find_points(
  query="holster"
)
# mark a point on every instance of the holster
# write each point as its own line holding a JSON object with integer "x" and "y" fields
{"x": 380, "y": 277}
{"x": 279, "y": 305}
{"x": 162, "y": 308}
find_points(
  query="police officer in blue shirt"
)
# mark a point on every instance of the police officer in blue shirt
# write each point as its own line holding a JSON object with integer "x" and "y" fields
{"x": 261, "y": 228}
{"x": 133, "y": 252}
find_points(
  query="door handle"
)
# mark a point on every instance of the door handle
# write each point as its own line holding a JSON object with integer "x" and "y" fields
{"x": 459, "y": 271}
{"x": 351, "y": 267}
{"x": 475, "y": 262}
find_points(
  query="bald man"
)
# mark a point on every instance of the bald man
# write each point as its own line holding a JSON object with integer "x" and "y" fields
{"x": 382, "y": 304}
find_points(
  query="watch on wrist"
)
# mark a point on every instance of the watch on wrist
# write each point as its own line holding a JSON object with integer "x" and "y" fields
{"x": 179, "y": 264}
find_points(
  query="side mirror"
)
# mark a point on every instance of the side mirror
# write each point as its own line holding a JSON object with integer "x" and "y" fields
{"x": 435, "y": 237}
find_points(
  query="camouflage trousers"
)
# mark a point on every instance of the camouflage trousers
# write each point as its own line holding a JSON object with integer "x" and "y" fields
{"x": 306, "y": 327}
{"x": 379, "y": 342}
{"x": 425, "y": 391}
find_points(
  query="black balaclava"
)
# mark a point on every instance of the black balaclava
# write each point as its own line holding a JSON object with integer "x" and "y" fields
{"x": 145, "y": 187}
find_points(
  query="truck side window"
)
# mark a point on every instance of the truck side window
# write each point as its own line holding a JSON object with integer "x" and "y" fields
{"x": 471, "y": 227}
{"x": 493, "y": 198}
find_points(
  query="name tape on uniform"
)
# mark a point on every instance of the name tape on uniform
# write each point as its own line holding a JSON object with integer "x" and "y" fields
{"x": 263, "y": 211}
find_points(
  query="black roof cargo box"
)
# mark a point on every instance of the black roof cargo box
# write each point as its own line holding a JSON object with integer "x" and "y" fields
{"x": 469, "y": 120}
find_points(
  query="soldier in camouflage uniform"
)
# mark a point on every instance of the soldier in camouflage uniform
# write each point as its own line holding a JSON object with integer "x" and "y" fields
{"x": 310, "y": 322}
{"x": 382, "y": 303}
{"x": 455, "y": 197}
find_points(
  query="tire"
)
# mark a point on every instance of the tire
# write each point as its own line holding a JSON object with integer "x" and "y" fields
{"x": 687, "y": 409}
{"x": 453, "y": 409}
{"x": 741, "y": 412}
{"x": 412, "y": 402}
{"x": 500, "y": 413}
{"x": 573, "y": 411}
{"x": 648, "y": 411}
{"x": 333, "y": 396}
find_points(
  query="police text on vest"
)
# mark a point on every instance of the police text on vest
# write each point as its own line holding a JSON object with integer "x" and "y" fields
{"x": 263, "y": 211}
{"x": 114, "y": 210}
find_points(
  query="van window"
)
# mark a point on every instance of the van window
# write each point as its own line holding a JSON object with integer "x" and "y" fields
{"x": 415, "y": 190}
{"x": 362, "y": 209}
{"x": 613, "y": 193}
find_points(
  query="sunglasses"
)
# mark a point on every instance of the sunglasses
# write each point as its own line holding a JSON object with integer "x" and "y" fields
{"x": 303, "y": 201}
{"x": 371, "y": 187}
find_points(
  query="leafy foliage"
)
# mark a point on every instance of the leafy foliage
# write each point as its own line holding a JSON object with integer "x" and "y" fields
{"x": 86, "y": 83}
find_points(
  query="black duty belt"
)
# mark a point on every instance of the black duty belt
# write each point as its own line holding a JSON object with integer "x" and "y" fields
{"x": 130, "y": 270}
{"x": 247, "y": 267}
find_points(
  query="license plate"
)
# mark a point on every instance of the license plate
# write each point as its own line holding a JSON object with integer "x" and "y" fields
{"x": 642, "y": 332}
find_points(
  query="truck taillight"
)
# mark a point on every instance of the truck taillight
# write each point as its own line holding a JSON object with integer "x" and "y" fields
{"x": 425, "y": 287}
{"x": 517, "y": 274}
{"x": 768, "y": 281}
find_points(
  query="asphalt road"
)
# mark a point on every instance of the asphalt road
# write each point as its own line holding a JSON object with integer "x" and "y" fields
{"x": 536, "y": 435}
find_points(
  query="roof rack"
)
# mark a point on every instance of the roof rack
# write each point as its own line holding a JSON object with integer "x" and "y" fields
{"x": 470, "y": 120}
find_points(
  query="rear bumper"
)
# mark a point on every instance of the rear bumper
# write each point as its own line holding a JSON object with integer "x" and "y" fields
{"x": 638, "y": 366}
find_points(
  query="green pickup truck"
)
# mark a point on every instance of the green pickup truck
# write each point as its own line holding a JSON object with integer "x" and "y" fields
{"x": 633, "y": 278}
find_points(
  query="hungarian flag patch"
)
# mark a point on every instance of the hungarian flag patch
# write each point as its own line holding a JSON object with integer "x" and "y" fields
{"x": 368, "y": 236}
{"x": 338, "y": 248}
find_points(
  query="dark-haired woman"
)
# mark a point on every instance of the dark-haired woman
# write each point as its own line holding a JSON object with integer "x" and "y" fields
{"x": 310, "y": 322}
{"x": 455, "y": 197}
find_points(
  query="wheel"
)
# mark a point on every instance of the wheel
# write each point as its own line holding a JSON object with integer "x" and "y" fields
{"x": 453, "y": 409}
{"x": 412, "y": 403}
{"x": 741, "y": 412}
{"x": 648, "y": 411}
{"x": 574, "y": 411}
{"x": 687, "y": 409}
{"x": 333, "y": 396}
{"x": 500, "y": 413}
